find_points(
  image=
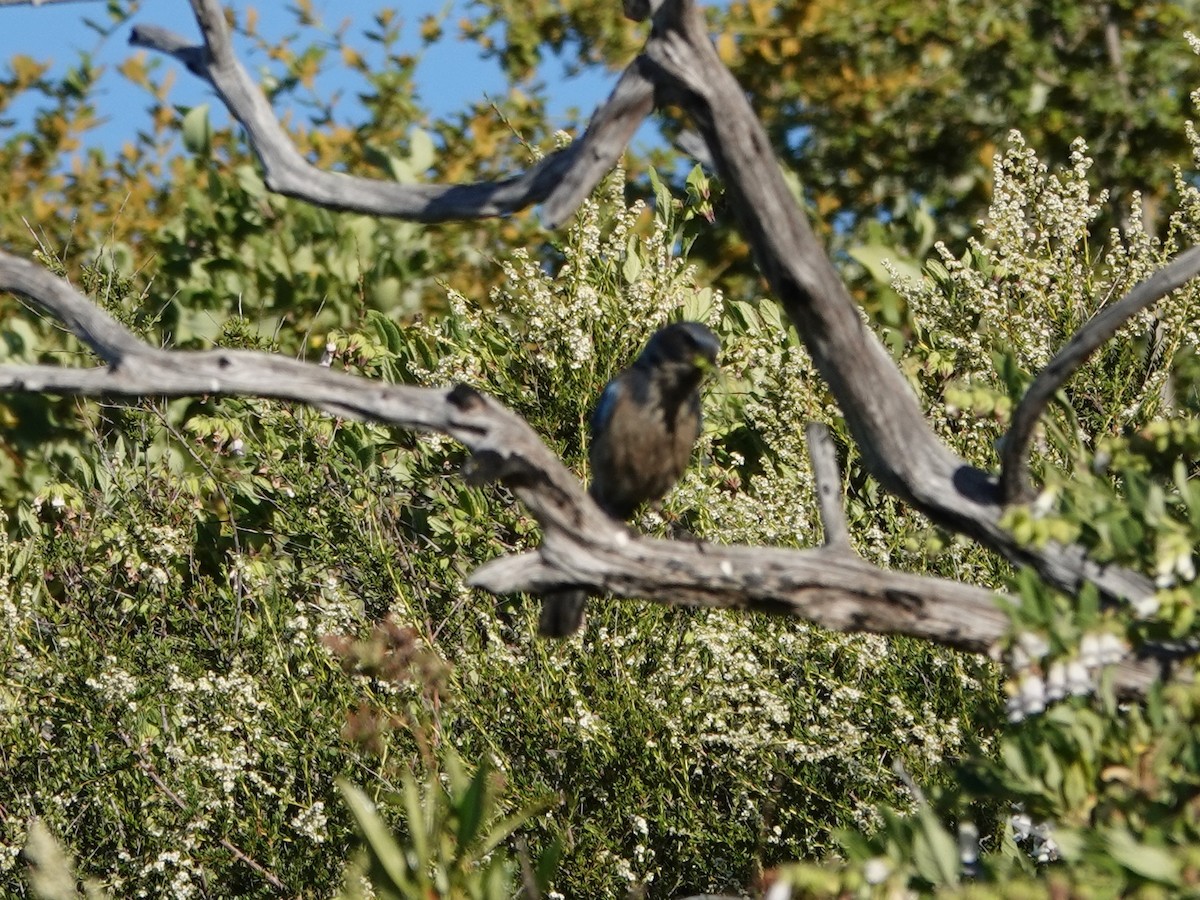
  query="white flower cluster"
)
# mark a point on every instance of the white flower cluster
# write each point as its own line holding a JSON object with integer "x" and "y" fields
{"x": 312, "y": 822}
{"x": 1028, "y": 277}
{"x": 1034, "y": 277}
{"x": 1176, "y": 560}
{"x": 114, "y": 685}
{"x": 1040, "y": 836}
{"x": 554, "y": 312}
{"x": 216, "y": 731}
{"x": 1036, "y": 684}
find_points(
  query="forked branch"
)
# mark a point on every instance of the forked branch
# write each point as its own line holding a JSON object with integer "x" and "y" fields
{"x": 897, "y": 444}
{"x": 286, "y": 171}
{"x": 581, "y": 546}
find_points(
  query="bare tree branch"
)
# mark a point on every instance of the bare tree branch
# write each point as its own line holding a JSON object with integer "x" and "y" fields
{"x": 107, "y": 338}
{"x": 1014, "y": 452}
{"x": 582, "y": 547}
{"x": 827, "y": 586}
{"x": 613, "y": 125}
{"x": 575, "y": 169}
{"x": 829, "y": 485}
{"x": 898, "y": 446}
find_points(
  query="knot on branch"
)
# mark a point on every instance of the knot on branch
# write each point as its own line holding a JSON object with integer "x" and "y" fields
{"x": 485, "y": 466}
{"x": 465, "y": 397}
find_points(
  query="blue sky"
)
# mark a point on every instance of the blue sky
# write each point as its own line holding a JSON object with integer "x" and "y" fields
{"x": 450, "y": 75}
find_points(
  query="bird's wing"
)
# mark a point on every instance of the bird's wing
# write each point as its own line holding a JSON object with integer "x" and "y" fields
{"x": 603, "y": 412}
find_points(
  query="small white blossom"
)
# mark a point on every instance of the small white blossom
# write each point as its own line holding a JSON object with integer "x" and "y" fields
{"x": 1111, "y": 650}
{"x": 1145, "y": 607}
{"x": 311, "y": 822}
{"x": 1056, "y": 681}
{"x": 1089, "y": 650}
{"x": 877, "y": 869}
{"x": 1079, "y": 682}
{"x": 1034, "y": 644}
{"x": 1033, "y": 694}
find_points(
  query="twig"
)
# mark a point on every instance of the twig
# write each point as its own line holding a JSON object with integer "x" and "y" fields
{"x": 149, "y": 770}
{"x": 829, "y": 495}
{"x": 563, "y": 178}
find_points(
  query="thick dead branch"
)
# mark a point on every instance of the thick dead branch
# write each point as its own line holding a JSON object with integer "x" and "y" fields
{"x": 582, "y": 547}
{"x": 897, "y": 444}
{"x": 612, "y": 127}
{"x": 679, "y": 64}
{"x": 1014, "y": 453}
{"x": 574, "y": 170}
{"x": 828, "y": 586}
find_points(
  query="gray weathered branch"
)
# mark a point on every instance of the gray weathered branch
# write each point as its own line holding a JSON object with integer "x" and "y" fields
{"x": 829, "y": 485}
{"x": 287, "y": 172}
{"x": 897, "y": 444}
{"x": 678, "y": 65}
{"x": 1014, "y": 452}
{"x": 581, "y": 546}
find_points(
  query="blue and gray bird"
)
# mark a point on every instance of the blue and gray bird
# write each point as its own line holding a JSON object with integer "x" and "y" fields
{"x": 643, "y": 430}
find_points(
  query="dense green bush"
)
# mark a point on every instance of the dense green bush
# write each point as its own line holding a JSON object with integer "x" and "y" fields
{"x": 171, "y": 590}
{"x": 215, "y": 611}
{"x": 1098, "y": 795}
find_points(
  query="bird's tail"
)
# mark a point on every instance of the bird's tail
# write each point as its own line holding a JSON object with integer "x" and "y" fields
{"x": 562, "y": 613}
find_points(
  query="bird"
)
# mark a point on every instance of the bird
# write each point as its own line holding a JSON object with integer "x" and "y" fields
{"x": 642, "y": 433}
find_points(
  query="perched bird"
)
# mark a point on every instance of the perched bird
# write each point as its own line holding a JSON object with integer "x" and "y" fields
{"x": 643, "y": 429}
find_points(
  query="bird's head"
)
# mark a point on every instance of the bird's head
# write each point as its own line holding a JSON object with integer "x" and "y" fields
{"x": 682, "y": 346}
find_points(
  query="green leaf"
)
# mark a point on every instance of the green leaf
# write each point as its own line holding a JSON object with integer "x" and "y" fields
{"x": 389, "y": 332}
{"x": 663, "y": 201}
{"x": 547, "y": 864}
{"x": 1013, "y": 755}
{"x": 197, "y": 130}
{"x": 386, "y": 855}
{"x": 471, "y": 808}
{"x": 498, "y": 880}
{"x": 1075, "y": 787}
{"x": 698, "y": 305}
{"x": 1052, "y": 772}
{"x": 1088, "y": 604}
{"x": 872, "y": 256}
{"x": 935, "y": 851}
{"x": 421, "y": 151}
{"x": 388, "y": 293}
{"x": 632, "y": 267}
{"x": 1146, "y": 860}
{"x": 420, "y": 818}
{"x": 501, "y": 830}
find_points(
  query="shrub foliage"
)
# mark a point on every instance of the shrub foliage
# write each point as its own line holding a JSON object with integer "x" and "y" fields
{"x": 217, "y": 611}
